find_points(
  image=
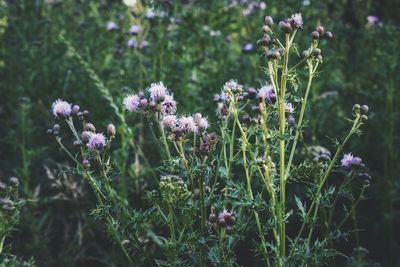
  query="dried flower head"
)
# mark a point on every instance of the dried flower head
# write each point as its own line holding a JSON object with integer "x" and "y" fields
{"x": 61, "y": 109}
{"x": 131, "y": 102}
{"x": 97, "y": 141}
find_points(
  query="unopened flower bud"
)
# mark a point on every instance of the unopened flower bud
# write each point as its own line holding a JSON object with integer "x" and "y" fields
{"x": 86, "y": 136}
{"x": 229, "y": 230}
{"x": 285, "y": 26}
{"x": 143, "y": 103}
{"x": 291, "y": 121}
{"x": 252, "y": 92}
{"x": 14, "y": 181}
{"x": 356, "y": 107}
{"x": 49, "y": 131}
{"x": 364, "y": 118}
{"x": 315, "y": 35}
{"x": 221, "y": 222}
{"x": 265, "y": 41}
{"x": 56, "y": 127}
{"x": 56, "y": 133}
{"x": 75, "y": 109}
{"x": 90, "y": 127}
{"x": 364, "y": 109}
{"x": 80, "y": 116}
{"x": 328, "y": 35}
{"x": 85, "y": 114}
{"x": 111, "y": 130}
{"x": 320, "y": 30}
{"x": 268, "y": 21}
{"x": 77, "y": 143}
{"x": 266, "y": 29}
{"x": 212, "y": 218}
{"x": 86, "y": 163}
{"x": 3, "y": 185}
{"x": 317, "y": 51}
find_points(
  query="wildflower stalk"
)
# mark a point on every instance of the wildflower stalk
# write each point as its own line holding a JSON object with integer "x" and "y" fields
{"x": 299, "y": 125}
{"x": 267, "y": 168}
{"x": 316, "y": 201}
{"x": 202, "y": 211}
{"x": 248, "y": 181}
{"x": 164, "y": 140}
{"x": 282, "y": 126}
{"x": 350, "y": 212}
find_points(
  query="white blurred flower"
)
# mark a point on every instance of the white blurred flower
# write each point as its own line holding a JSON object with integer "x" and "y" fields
{"x": 130, "y": 3}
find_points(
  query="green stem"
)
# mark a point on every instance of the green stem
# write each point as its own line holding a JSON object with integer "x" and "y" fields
{"x": 315, "y": 203}
{"x": 300, "y": 121}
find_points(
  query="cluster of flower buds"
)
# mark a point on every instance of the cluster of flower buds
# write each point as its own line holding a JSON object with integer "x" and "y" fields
{"x": 292, "y": 23}
{"x": 313, "y": 53}
{"x": 88, "y": 137}
{"x": 179, "y": 127}
{"x": 156, "y": 99}
{"x": 173, "y": 190}
{"x": 7, "y": 190}
{"x": 207, "y": 144}
{"x": 361, "y": 110}
{"x": 231, "y": 93}
{"x": 225, "y": 220}
{"x": 321, "y": 33}
{"x": 319, "y": 153}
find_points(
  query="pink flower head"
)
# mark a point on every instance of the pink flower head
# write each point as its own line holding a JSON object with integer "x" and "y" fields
{"x": 169, "y": 122}
{"x": 135, "y": 29}
{"x": 202, "y": 123}
{"x": 349, "y": 161}
{"x": 372, "y": 20}
{"x": 289, "y": 108}
{"x": 112, "y": 26}
{"x": 168, "y": 106}
{"x": 297, "y": 20}
{"x": 131, "y": 102}
{"x": 97, "y": 141}
{"x": 186, "y": 124}
{"x": 158, "y": 91}
{"x": 61, "y": 109}
{"x": 267, "y": 93}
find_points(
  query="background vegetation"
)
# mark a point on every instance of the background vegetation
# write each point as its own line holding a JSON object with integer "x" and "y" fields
{"x": 52, "y": 48}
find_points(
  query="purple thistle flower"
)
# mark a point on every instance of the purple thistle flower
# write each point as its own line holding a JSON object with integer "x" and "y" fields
{"x": 267, "y": 93}
{"x": 131, "y": 102}
{"x": 135, "y": 29}
{"x": 226, "y": 218}
{"x": 373, "y": 20}
{"x": 169, "y": 122}
{"x": 233, "y": 86}
{"x": 158, "y": 92}
{"x": 112, "y": 26}
{"x": 289, "y": 108}
{"x": 186, "y": 124}
{"x": 349, "y": 161}
{"x": 168, "y": 106}
{"x": 61, "y": 109}
{"x": 202, "y": 123}
{"x": 150, "y": 13}
{"x": 247, "y": 47}
{"x": 297, "y": 20}
{"x": 97, "y": 142}
{"x": 132, "y": 43}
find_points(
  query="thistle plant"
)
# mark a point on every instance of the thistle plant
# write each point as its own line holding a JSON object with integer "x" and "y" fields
{"x": 257, "y": 180}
